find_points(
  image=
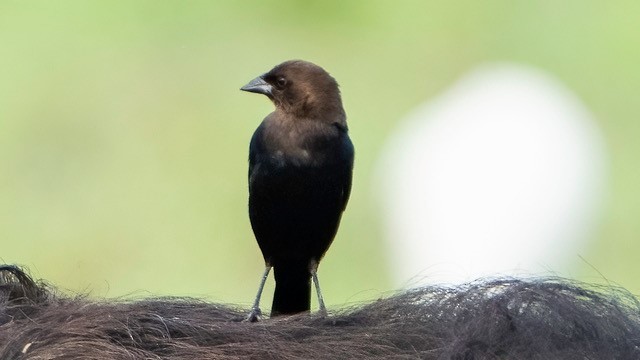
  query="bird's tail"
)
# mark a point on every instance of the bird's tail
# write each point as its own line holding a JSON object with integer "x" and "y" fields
{"x": 293, "y": 289}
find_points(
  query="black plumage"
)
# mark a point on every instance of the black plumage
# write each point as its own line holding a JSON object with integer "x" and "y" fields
{"x": 300, "y": 168}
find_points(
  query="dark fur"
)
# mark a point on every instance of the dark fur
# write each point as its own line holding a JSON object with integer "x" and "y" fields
{"x": 489, "y": 319}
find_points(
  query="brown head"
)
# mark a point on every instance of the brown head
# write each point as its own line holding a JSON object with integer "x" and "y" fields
{"x": 300, "y": 88}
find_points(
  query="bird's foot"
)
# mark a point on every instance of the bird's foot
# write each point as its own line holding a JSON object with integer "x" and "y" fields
{"x": 322, "y": 312}
{"x": 254, "y": 315}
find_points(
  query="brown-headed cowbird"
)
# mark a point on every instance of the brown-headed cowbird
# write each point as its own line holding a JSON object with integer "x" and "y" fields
{"x": 300, "y": 166}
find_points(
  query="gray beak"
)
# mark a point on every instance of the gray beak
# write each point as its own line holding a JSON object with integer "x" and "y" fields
{"x": 258, "y": 85}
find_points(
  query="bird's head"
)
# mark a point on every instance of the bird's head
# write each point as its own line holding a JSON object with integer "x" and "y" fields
{"x": 299, "y": 88}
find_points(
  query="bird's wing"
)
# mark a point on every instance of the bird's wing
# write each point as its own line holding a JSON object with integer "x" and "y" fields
{"x": 255, "y": 146}
{"x": 347, "y": 155}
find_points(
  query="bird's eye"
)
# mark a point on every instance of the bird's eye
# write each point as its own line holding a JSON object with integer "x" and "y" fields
{"x": 281, "y": 82}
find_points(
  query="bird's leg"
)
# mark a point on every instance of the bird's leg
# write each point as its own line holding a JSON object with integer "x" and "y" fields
{"x": 255, "y": 309}
{"x": 314, "y": 275}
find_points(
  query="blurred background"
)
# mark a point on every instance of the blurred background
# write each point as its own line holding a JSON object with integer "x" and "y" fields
{"x": 124, "y": 139}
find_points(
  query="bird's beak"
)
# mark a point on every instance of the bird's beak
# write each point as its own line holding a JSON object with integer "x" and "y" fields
{"x": 258, "y": 85}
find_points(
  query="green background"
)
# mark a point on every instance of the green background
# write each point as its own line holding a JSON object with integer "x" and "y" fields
{"x": 124, "y": 137}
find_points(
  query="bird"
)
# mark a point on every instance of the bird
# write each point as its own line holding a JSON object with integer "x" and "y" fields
{"x": 300, "y": 174}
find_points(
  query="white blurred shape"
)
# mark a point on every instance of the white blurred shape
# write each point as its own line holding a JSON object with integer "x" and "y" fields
{"x": 503, "y": 174}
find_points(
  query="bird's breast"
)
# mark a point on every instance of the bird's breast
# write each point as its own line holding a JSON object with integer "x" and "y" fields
{"x": 297, "y": 144}
{"x": 294, "y": 157}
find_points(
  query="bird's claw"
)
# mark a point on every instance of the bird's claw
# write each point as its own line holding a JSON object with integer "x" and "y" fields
{"x": 322, "y": 312}
{"x": 254, "y": 315}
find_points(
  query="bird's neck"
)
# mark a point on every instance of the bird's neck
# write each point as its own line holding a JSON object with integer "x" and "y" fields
{"x": 325, "y": 112}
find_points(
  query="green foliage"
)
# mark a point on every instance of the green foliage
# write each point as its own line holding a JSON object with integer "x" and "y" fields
{"x": 124, "y": 137}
